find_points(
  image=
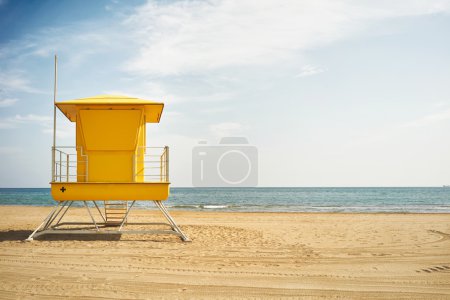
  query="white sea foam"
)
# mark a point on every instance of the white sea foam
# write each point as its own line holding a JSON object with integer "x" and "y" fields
{"x": 214, "y": 206}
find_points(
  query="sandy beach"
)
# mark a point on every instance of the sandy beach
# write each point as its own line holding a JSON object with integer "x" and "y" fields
{"x": 232, "y": 256}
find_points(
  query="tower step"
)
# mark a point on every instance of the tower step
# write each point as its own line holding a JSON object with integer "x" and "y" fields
{"x": 115, "y": 212}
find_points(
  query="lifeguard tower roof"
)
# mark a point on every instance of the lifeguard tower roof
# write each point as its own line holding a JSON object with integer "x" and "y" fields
{"x": 152, "y": 109}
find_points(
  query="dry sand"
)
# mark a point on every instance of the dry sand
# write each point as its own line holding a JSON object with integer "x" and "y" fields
{"x": 233, "y": 255}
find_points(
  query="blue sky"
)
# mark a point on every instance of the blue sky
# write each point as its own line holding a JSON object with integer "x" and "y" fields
{"x": 332, "y": 93}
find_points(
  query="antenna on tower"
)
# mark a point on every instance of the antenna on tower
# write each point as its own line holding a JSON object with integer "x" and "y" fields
{"x": 54, "y": 116}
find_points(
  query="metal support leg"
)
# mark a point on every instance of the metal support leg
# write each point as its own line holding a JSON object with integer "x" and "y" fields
{"x": 64, "y": 213}
{"x": 49, "y": 223}
{"x": 171, "y": 221}
{"x": 30, "y": 238}
{"x": 60, "y": 210}
{"x": 95, "y": 203}
{"x": 92, "y": 218}
{"x": 126, "y": 215}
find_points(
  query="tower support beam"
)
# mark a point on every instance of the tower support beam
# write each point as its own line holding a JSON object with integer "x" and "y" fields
{"x": 100, "y": 228}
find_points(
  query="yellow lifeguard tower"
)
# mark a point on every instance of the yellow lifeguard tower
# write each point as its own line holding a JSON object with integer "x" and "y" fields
{"x": 110, "y": 164}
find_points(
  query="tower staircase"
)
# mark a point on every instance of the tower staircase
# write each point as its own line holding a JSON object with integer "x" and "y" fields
{"x": 115, "y": 212}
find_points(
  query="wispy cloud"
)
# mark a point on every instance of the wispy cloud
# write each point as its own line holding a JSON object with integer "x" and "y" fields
{"x": 310, "y": 70}
{"x": 62, "y": 133}
{"x": 33, "y": 118}
{"x": 5, "y": 150}
{"x": 226, "y": 129}
{"x": 64, "y": 129}
{"x": 150, "y": 91}
{"x": 14, "y": 122}
{"x": 386, "y": 133}
{"x": 441, "y": 104}
{"x": 6, "y": 124}
{"x": 183, "y": 37}
{"x": 15, "y": 81}
{"x": 179, "y": 37}
{"x": 215, "y": 109}
{"x": 7, "y": 102}
{"x": 54, "y": 41}
{"x": 428, "y": 119}
{"x": 77, "y": 43}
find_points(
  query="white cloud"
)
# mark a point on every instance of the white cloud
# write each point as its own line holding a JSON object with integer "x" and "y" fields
{"x": 171, "y": 114}
{"x": 62, "y": 133}
{"x": 50, "y": 41}
{"x": 161, "y": 92}
{"x": 6, "y": 124}
{"x": 429, "y": 119}
{"x": 64, "y": 129}
{"x": 15, "y": 81}
{"x": 33, "y": 118}
{"x": 386, "y": 133}
{"x": 196, "y": 36}
{"x": 226, "y": 129}
{"x": 7, "y": 102}
{"x": 215, "y": 110}
{"x": 310, "y": 70}
{"x": 440, "y": 104}
{"x": 154, "y": 91}
{"x": 75, "y": 44}
{"x": 10, "y": 150}
{"x": 13, "y": 122}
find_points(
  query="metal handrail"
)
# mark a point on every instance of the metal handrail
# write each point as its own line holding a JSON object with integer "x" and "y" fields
{"x": 147, "y": 166}
{"x": 149, "y": 163}
{"x": 63, "y": 157}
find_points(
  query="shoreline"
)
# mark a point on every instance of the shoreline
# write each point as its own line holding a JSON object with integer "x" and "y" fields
{"x": 232, "y": 255}
{"x": 213, "y": 210}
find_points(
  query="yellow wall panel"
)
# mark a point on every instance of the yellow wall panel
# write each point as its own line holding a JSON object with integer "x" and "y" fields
{"x": 109, "y": 139}
{"x": 110, "y": 166}
{"x": 110, "y": 129}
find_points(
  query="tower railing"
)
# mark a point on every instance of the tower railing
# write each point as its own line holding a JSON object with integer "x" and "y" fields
{"x": 151, "y": 164}
{"x": 66, "y": 163}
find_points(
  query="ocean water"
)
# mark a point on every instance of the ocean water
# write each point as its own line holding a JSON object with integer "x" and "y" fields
{"x": 392, "y": 199}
